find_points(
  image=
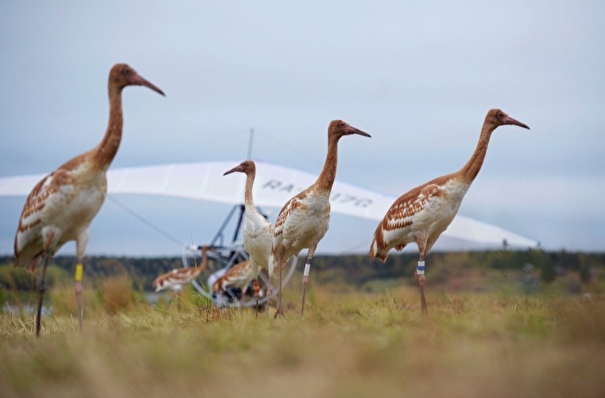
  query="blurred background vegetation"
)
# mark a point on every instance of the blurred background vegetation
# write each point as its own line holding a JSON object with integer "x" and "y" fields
{"x": 475, "y": 271}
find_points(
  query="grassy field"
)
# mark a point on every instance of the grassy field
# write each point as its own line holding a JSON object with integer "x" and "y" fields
{"x": 349, "y": 344}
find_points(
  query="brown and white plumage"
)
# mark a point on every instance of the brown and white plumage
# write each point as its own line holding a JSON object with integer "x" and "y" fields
{"x": 258, "y": 231}
{"x": 177, "y": 278}
{"x": 62, "y": 205}
{"x": 238, "y": 276}
{"x": 424, "y": 212}
{"x": 304, "y": 219}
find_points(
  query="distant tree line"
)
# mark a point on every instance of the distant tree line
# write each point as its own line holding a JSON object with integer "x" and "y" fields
{"x": 355, "y": 270}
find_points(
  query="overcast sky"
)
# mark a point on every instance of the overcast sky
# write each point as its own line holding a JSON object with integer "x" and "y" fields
{"x": 418, "y": 77}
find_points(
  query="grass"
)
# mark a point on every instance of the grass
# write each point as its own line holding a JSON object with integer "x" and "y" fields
{"x": 348, "y": 344}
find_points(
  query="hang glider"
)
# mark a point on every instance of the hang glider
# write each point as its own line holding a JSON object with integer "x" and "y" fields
{"x": 273, "y": 186}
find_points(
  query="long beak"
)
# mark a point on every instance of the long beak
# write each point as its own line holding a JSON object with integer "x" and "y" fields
{"x": 233, "y": 170}
{"x": 142, "y": 82}
{"x": 353, "y": 130}
{"x": 510, "y": 120}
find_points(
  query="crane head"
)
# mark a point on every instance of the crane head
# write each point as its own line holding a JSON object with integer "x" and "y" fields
{"x": 123, "y": 75}
{"x": 246, "y": 167}
{"x": 340, "y": 128}
{"x": 499, "y": 118}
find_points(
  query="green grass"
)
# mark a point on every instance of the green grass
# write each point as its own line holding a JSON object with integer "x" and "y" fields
{"x": 349, "y": 344}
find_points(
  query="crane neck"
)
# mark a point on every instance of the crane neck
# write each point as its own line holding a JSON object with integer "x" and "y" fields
{"x": 202, "y": 266}
{"x": 472, "y": 167}
{"x": 326, "y": 178}
{"x": 248, "y": 201}
{"x": 107, "y": 149}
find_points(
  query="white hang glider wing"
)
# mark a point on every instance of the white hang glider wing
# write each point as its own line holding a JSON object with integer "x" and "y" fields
{"x": 273, "y": 186}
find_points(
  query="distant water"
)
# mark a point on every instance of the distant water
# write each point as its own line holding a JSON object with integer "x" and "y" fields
{"x": 152, "y": 298}
{"x": 27, "y": 308}
{"x": 7, "y": 308}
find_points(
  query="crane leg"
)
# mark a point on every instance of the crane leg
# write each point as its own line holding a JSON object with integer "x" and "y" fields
{"x": 78, "y": 290}
{"x": 256, "y": 293}
{"x": 419, "y": 274}
{"x": 268, "y": 293}
{"x": 279, "y": 310}
{"x": 305, "y": 279}
{"x": 41, "y": 289}
{"x": 81, "y": 241}
{"x": 305, "y": 283}
{"x": 240, "y": 302}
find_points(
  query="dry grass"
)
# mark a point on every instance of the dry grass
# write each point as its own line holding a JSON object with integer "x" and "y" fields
{"x": 348, "y": 344}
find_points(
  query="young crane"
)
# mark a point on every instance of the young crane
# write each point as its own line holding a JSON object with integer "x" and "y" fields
{"x": 258, "y": 231}
{"x": 424, "y": 212}
{"x": 238, "y": 276}
{"x": 177, "y": 278}
{"x": 304, "y": 219}
{"x": 61, "y": 206}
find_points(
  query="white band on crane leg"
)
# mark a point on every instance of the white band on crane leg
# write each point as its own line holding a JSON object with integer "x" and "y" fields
{"x": 307, "y": 269}
{"x": 420, "y": 268}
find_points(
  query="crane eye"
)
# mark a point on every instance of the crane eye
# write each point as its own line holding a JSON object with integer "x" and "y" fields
{"x": 126, "y": 72}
